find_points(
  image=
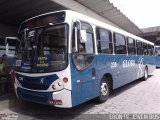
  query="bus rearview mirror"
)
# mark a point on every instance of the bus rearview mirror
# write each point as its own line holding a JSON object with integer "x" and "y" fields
{"x": 83, "y": 36}
{"x": 7, "y": 44}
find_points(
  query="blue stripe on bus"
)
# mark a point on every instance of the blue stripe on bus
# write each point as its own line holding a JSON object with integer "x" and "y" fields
{"x": 122, "y": 74}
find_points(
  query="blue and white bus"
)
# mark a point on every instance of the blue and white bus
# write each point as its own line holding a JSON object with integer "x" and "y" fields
{"x": 66, "y": 58}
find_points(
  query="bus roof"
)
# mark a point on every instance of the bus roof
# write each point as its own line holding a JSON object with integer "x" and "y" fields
{"x": 106, "y": 26}
{"x": 83, "y": 17}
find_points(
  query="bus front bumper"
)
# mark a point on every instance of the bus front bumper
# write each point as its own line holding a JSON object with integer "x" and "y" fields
{"x": 60, "y": 99}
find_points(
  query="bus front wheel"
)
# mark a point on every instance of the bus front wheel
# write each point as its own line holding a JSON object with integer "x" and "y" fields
{"x": 104, "y": 90}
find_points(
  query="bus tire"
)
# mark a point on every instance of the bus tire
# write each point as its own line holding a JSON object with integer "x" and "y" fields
{"x": 145, "y": 77}
{"x": 104, "y": 90}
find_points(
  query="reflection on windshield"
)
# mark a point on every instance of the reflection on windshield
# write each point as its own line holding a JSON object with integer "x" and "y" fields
{"x": 44, "y": 50}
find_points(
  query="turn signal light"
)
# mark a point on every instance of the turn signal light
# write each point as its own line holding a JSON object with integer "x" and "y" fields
{"x": 65, "y": 79}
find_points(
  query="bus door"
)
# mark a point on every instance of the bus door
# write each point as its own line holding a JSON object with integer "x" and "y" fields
{"x": 83, "y": 69}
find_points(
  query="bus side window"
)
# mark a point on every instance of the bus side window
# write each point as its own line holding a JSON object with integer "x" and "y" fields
{"x": 87, "y": 47}
{"x": 150, "y": 50}
{"x": 153, "y": 50}
{"x": 139, "y": 48}
{"x": 131, "y": 46}
{"x": 120, "y": 44}
{"x": 145, "y": 49}
{"x": 104, "y": 41}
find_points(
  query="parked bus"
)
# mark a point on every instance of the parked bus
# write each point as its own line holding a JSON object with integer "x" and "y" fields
{"x": 2, "y": 46}
{"x": 8, "y": 42}
{"x": 66, "y": 58}
{"x": 157, "y": 49}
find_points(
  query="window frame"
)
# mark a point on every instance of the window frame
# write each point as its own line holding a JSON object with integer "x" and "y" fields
{"x": 139, "y": 47}
{"x": 151, "y": 48}
{"x": 98, "y": 40}
{"x": 145, "y": 48}
{"x": 82, "y": 60}
{"x": 93, "y": 39}
{"x": 129, "y": 46}
{"x": 114, "y": 39}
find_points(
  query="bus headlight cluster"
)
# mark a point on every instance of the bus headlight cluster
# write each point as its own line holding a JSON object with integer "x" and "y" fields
{"x": 57, "y": 85}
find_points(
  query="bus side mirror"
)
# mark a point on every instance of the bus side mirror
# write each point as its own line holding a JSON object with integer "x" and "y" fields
{"x": 77, "y": 27}
{"x": 11, "y": 43}
{"x": 83, "y": 34}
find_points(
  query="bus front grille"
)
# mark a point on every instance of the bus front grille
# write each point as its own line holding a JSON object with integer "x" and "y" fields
{"x": 33, "y": 98}
{"x": 35, "y": 86}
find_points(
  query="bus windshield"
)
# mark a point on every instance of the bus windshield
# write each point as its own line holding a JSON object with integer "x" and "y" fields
{"x": 43, "y": 49}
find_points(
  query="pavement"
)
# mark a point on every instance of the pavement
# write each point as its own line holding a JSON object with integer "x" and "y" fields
{"x": 138, "y": 97}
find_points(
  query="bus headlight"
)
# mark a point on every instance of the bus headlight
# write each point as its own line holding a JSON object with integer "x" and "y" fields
{"x": 57, "y": 85}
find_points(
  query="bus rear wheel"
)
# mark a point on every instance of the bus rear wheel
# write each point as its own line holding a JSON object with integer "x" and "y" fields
{"x": 145, "y": 77}
{"x": 104, "y": 90}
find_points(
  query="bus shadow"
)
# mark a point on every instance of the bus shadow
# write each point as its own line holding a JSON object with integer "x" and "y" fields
{"x": 126, "y": 87}
{"x": 157, "y": 67}
{"x": 40, "y": 112}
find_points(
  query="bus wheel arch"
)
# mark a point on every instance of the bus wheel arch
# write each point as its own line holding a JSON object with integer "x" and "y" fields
{"x": 105, "y": 87}
{"x": 110, "y": 79}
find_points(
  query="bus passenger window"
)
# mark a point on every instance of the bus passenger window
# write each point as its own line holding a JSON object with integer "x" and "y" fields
{"x": 153, "y": 50}
{"x": 131, "y": 46}
{"x": 150, "y": 50}
{"x": 145, "y": 49}
{"x": 104, "y": 41}
{"x": 120, "y": 44}
{"x": 139, "y": 48}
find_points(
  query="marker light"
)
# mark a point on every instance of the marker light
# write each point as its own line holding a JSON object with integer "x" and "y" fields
{"x": 65, "y": 79}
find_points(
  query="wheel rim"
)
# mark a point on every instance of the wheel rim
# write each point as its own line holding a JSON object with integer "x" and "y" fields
{"x": 104, "y": 89}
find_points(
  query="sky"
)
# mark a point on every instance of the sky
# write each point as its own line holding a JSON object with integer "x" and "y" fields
{"x": 143, "y": 13}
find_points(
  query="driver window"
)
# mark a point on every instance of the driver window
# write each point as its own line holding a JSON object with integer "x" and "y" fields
{"x": 87, "y": 47}
{"x": 85, "y": 54}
